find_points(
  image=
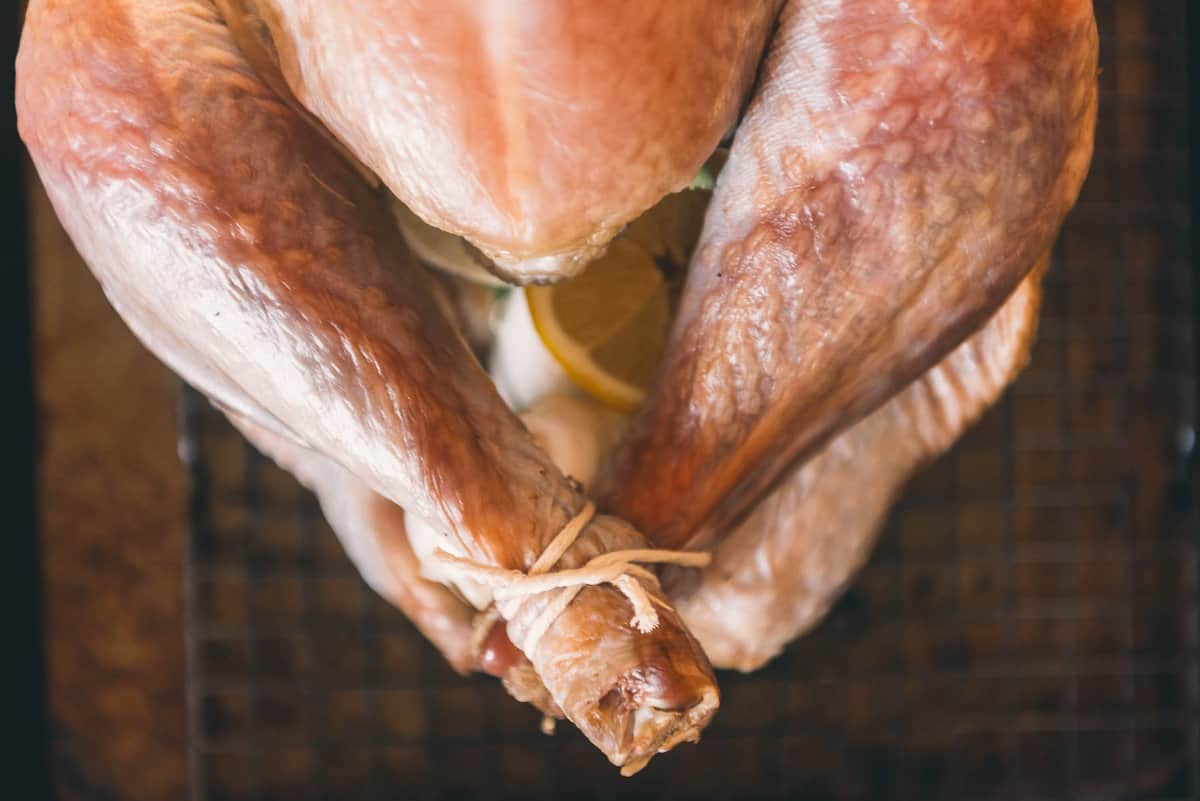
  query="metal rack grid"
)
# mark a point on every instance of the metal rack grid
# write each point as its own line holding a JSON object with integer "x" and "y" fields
{"x": 1027, "y": 627}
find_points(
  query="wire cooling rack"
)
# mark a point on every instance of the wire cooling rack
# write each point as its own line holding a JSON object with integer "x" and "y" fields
{"x": 1027, "y": 627}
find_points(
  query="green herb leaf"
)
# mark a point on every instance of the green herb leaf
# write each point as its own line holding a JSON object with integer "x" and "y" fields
{"x": 705, "y": 180}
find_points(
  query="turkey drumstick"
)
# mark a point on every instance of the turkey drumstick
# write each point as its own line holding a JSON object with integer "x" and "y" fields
{"x": 257, "y": 263}
{"x": 900, "y": 168}
{"x": 777, "y": 573}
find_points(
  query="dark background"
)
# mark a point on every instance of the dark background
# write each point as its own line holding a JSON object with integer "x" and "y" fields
{"x": 23, "y": 722}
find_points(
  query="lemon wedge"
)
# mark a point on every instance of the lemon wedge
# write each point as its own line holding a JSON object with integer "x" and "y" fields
{"x": 604, "y": 331}
{"x": 607, "y": 328}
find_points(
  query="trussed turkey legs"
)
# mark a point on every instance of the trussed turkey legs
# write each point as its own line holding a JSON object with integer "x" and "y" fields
{"x": 900, "y": 167}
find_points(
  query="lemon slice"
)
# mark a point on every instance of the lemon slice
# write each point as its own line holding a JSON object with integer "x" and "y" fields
{"x": 607, "y": 328}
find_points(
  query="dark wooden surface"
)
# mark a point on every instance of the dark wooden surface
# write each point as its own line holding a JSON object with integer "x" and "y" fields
{"x": 23, "y": 724}
{"x": 111, "y": 503}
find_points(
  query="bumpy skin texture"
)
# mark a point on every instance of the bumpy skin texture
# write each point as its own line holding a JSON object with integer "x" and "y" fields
{"x": 253, "y": 260}
{"x": 778, "y": 572}
{"x": 487, "y": 117}
{"x": 900, "y": 168}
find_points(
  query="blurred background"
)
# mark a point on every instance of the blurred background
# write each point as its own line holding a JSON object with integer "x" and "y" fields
{"x": 1028, "y": 626}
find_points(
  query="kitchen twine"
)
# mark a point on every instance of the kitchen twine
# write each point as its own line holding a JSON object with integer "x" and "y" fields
{"x": 618, "y": 568}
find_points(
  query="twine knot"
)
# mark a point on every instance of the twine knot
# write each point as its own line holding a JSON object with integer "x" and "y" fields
{"x": 621, "y": 569}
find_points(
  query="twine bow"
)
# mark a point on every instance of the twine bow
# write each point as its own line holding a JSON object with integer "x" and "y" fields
{"x": 622, "y": 569}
